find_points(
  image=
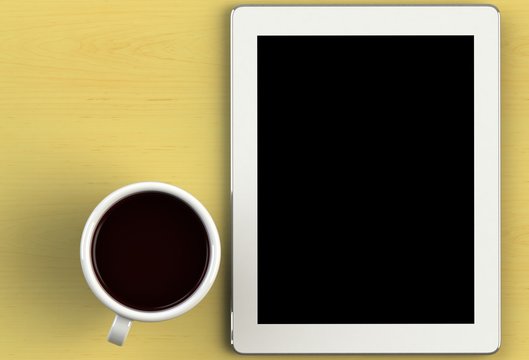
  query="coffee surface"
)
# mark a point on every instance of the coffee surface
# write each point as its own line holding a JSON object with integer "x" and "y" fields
{"x": 150, "y": 251}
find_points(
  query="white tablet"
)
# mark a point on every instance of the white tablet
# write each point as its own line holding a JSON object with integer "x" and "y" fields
{"x": 366, "y": 179}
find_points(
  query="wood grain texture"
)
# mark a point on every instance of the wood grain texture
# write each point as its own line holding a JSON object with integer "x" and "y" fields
{"x": 98, "y": 94}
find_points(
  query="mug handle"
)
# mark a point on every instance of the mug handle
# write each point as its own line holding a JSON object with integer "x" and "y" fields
{"x": 119, "y": 330}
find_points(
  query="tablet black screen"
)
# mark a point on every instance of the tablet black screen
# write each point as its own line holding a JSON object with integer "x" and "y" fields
{"x": 365, "y": 179}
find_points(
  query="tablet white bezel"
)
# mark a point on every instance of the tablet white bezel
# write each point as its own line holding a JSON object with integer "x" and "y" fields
{"x": 482, "y": 22}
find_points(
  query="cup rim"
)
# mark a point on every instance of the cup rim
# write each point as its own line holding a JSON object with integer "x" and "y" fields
{"x": 88, "y": 266}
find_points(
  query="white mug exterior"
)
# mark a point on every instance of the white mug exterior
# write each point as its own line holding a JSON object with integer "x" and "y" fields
{"x": 125, "y": 311}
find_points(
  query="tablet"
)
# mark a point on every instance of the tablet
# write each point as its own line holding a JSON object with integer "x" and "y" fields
{"x": 366, "y": 179}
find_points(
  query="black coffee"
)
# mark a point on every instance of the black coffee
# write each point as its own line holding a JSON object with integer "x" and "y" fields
{"x": 150, "y": 251}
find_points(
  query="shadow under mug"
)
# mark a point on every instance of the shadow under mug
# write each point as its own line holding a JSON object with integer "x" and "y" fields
{"x": 124, "y": 314}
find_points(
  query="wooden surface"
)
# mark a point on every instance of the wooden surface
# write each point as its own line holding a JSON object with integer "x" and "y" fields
{"x": 98, "y": 94}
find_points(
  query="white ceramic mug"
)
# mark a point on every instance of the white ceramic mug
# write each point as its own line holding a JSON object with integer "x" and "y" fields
{"x": 124, "y": 314}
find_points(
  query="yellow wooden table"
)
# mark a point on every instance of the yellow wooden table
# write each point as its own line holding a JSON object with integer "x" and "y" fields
{"x": 98, "y": 94}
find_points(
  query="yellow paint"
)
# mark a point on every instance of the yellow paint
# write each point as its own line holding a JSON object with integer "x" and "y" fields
{"x": 98, "y": 94}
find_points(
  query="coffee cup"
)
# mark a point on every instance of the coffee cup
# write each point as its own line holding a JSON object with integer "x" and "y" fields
{"x": 150, "y": 251}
